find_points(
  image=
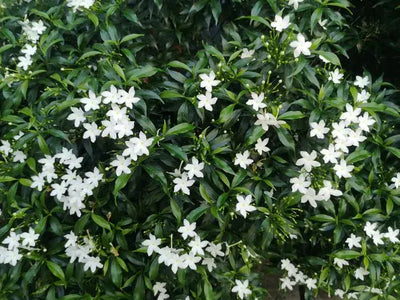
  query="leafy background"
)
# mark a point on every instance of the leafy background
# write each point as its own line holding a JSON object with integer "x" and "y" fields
{"x": 161, "y": 47}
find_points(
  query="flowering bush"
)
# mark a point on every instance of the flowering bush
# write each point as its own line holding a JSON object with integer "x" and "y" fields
{"x": 140, "y": 163}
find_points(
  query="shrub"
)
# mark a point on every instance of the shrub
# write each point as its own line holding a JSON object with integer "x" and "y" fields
{"x": 146, "y": 155}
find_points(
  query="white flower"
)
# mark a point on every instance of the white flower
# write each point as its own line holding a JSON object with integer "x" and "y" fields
{"x": 243, "y": 159}
{"x": 91, "y": 263}
{"x": 92, "y": 131}
{"x": 188, "y": 229}
{"x": 79, "y": 4}
{"x": 190, "y": 260}
{"x": 19, "y": 156}
{"x": 243, "y": 205}
{"x": 308, "y": 160}
{"x": 335, "y": 76}
{"x": 286, "y": 283}
{"x": 91, "y": 103}
{"x": 392, "y": 235}
{"x": 351, "y": 115}
{"x": 311, "y": 283}
{"x": 5, "y": 147}
{"x": 256, "y": 101}
{"x": 353, "y": 241}
{"x": 241, "y": 288}
{"x": 363, "y": 96}
{"x": 24, "y": 62}
{"x": 295, "y": 3}
{"x": 38, "y": 181}
{"x": 195, "y": 168}
{"x": 29, "y": 50}
{"x": 340, "y": 262}
{"x": 208, "y": 81}
{"x": 311, "y": 197}
{"x": 122, "y": 165}
{"x": 162, "y": 296}
{"x": 152, "y": 244}
{"x": 246, "y": 53}
{"x": 361, "y": 81}
{"x": 77, "y": 115}
{"x": 301, "y": 46}
{"x": 330, "y": 154}
{"x": 353, "y": 295}
{"x": 339, "y": 129}
{"x": 197, "y": 246}
{"x": 370, "y": 229}
{"x": 327, "y": 191}
{"x": 128, "y": 98}
{"x": 365, "y": 121}
{"x": 261, "y": 146}
{"x": 267, "y": 119}
{"x": 396, "y": 180}
{"x": 215, "y": 249}
{"x": 111, "y": 96}
{"x": 206, "y": 101}
{"x": 71, "y": 239}
{"x": 339, "y": 293}
{"x": 300, "y": 183}
{"x": 360, "y": 273}
{"x": 343, "y": 170}
{"x": 183, "y": 184}
{"x": 159, "y": 287}
{"x": 318, "y": 129}
{"x": 280, "y": 23}
{"x": 12, "y": 240}
{"x": 210, "y": 263}
{"x": 29, "y": 238}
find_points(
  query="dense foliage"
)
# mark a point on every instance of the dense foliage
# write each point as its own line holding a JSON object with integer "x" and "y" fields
{"x": 181, "y": 149}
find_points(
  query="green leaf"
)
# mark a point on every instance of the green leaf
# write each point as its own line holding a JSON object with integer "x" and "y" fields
{"x": 89, "y": 54}
{"x": 130, "y": 37}
{"x": 315, "y": 17}
{"x": 347, "y": 254}
{"x": 332, "y": 57}
{"x": 214, "y": 52}
{"x": 116, "y": 273}
{"x": 179, "y": 65}
{"x": 196, "y": 213}
{"x": 291, "y": 115}
{"x": 176, "y": 151}
{"x": 121, "y": 182}
{"x": 176, "y": 211}
{"x": 171, "y": 94}
{"x": 179, "y": 129}
{"x": 93, "y": 18}
{"x": 101, "y": 221}
{"x": 7, "y": 178}
{"x": 394, "y": 150}
{"x": 43, "y": 145}
{"x": 208, "y": 290}
{"x": 55, "y": 270}
{"x": 323, "y": 218}
{"x": 285, "y": 138}
{"x": 357, "y": 156}
{"x": 119, "y": 71}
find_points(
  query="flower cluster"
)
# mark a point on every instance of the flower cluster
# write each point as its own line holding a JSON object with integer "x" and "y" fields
{"x": 7, "y": 149}
{"x": 80, "y": 4}
{"x": 180, "y": 258}
{"x": 295, "y": 276}
{"x": 32, "y": 31}
{"x": 184, "y": 180}
{"x": 207, "y": 82}
{"x": 348, "y": 132}
{"x": 71, "y": 189}
{"x": 15, "y": 242}
{"x": 81, "y": 251}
